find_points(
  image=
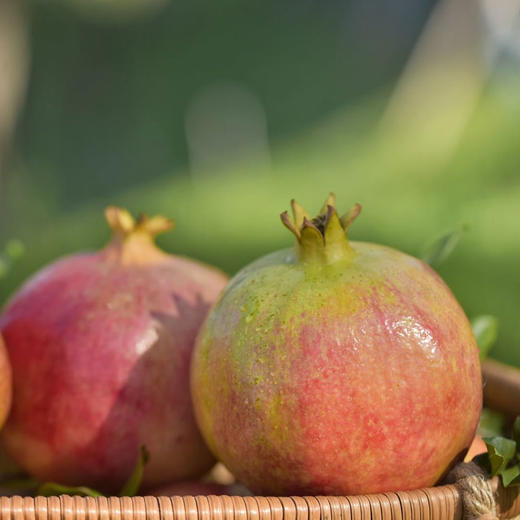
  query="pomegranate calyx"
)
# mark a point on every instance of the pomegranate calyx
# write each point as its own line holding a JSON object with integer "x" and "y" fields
{"x": 322, "y": 239}
{"x": 121, "y": 222}
{"x": 133, "y": 240}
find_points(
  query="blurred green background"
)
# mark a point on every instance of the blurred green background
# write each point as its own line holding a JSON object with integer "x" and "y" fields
{"x": 218, "y": 113}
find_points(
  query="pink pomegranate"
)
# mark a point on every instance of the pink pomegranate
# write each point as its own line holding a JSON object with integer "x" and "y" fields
{"x": 336, "y": 368}
{"x": 5, "y": 384}
{"x": 100, "y": 345}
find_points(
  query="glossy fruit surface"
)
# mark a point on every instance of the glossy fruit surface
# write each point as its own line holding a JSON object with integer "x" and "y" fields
{"x": 336, "y": 368}
{"x": 100, "y": 345}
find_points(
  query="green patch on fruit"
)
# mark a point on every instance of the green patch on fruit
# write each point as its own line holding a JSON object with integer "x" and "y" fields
{"x": 278, "y": 420}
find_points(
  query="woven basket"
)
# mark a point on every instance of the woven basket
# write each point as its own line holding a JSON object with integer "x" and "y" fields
{"x": 501, "y": 392}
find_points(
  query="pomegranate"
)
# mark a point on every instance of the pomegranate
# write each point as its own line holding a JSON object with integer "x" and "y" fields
{"x": 336, "y": 368}
{"x": 100, "y": 345}
{"x": 5, "y": 384}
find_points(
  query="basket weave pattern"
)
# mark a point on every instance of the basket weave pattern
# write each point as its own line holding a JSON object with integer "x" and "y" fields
{"x": 441, "y": 503}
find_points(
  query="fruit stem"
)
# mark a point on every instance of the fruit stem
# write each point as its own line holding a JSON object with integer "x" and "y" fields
{"x": 322, "y": 239}
{"x": 133, "y": 239}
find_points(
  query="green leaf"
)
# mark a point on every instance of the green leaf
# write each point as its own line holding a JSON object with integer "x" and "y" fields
{"x": 511, "y": 476}
{"x": 131, "y": 487}
{"x": 20, "y": 482}
{"x": 485, "y": 328}
{"x": 491, "y": 423}
{"x": 500, "y": 451}
{"x": 52, "y": 488}
{"x": 483, "y": 461}
{"x": 516, "y": 431}
{"x": 441, "y": 248}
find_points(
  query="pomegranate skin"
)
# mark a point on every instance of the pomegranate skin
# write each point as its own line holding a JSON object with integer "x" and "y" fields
{"x": 100, "y": 346}
{"x": 5, "y": 383}
{"x": 358, "y": 375}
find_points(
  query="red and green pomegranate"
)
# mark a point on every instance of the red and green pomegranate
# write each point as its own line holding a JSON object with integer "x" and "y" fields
{"x": 336, "y": 368}
{"x": 100, "y": 346}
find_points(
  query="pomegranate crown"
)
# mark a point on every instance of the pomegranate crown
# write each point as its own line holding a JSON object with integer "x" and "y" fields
{"x": 121, "y": 222}
{"x": 323, "y": 238}
{"x": 133, "y": 240}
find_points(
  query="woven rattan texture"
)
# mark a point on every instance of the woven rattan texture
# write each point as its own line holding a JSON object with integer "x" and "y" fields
{"x": 442, "y": 503}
